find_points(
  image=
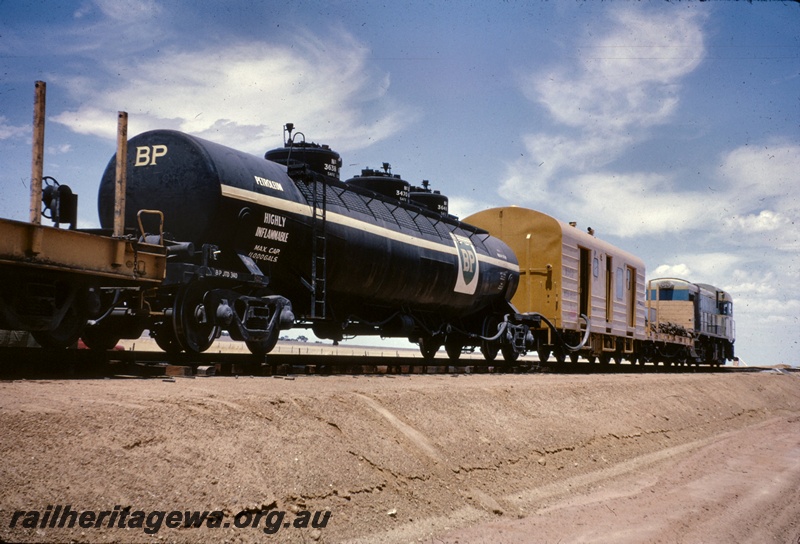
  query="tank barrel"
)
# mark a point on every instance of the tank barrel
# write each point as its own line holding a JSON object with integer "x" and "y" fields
{"x": 37, "y": 162}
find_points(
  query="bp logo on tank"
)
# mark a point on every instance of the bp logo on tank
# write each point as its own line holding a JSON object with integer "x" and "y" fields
{"x": 467, "y": 280}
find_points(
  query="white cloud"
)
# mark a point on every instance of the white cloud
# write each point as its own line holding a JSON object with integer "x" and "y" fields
{"x": 699, "y": 267}
{"x": 626, "y": 81}
{"x": 59, "y": 149}
{"x": 765, "y": 221}
{"x": 773, "y": 309}
{"x": 763, "y": 184}
{"x": 671, "y": 271}
{"x": 626, "y": 78}
{"x": 8, "y": 131}
{"x": 771, "y": 170}
{"x": 463, "y": 207}
{"x": 636, "y": 204}
{"x": 624, "y": 205}
{"x": 710, "y": 265}
{"x": 560, "y": 154}
{"x": 242, "y": 94}
{"x": 126, "y": 10}
{"x": 755, "y": 284}
{"x": 760, "y": 186}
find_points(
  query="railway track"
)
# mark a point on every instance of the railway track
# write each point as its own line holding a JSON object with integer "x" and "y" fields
{"x": 38, "y": 363}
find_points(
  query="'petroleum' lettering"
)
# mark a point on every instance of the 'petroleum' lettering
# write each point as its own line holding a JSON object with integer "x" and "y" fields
{"x": 268, "y": 183}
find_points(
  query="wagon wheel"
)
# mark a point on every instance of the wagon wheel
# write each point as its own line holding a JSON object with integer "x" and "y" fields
{"x": 560, "y": 356}
{"x": 489, "y": 352}
{"x": 573, "y": 357}
{"x": 509, "y": 355}
{"x": 193, "y": 331}
{"x": 490, "y": 349}
{"x": 67, "y": 332}
{"x": 544, "y": 354}
{"x": 164, "y": 335}
{"x": 453, "y": 349}
{"x": 265, "y": 345}
{"x": 100, "y": 337}
{"x": 428, "y": 347}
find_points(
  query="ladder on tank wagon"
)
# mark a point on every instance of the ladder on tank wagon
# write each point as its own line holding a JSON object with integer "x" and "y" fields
{"x": 319, "y": 251}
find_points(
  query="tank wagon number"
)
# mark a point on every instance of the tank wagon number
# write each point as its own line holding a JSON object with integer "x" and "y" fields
{"x": 333, "y": 168}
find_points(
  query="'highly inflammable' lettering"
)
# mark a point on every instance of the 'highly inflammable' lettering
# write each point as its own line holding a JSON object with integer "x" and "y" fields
{"x": 272, "y": 234}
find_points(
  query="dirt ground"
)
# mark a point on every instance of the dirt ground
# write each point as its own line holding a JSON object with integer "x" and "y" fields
{"x": 421, "y": 458}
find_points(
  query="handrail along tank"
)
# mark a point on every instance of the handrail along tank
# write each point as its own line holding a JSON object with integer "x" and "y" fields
{"x": 390, "y": 267}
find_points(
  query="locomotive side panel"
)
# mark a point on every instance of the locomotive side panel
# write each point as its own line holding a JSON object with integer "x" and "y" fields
{"x": 676, "y": 311}
{"x": 672, "y": 304}
{"x": 716, "y": 312}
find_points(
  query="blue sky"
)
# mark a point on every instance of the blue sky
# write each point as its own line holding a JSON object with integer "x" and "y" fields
{"x": 672, "y": 129}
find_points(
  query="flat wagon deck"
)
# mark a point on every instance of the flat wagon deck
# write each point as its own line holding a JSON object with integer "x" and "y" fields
{"x": 108, "y": 260}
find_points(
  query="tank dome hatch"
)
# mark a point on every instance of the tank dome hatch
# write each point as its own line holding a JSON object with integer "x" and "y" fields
{"x": 431, "y": 200}
{"x": 382, "y": 182}
{"x": 297, "y": 154}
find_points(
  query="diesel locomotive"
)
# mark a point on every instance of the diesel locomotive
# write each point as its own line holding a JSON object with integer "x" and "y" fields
{"x": 699, "y": 312}
{"x": 258, "y": 245}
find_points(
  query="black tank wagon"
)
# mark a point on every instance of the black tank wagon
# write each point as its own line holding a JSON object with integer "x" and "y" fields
{"x": 259, "y": 246}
